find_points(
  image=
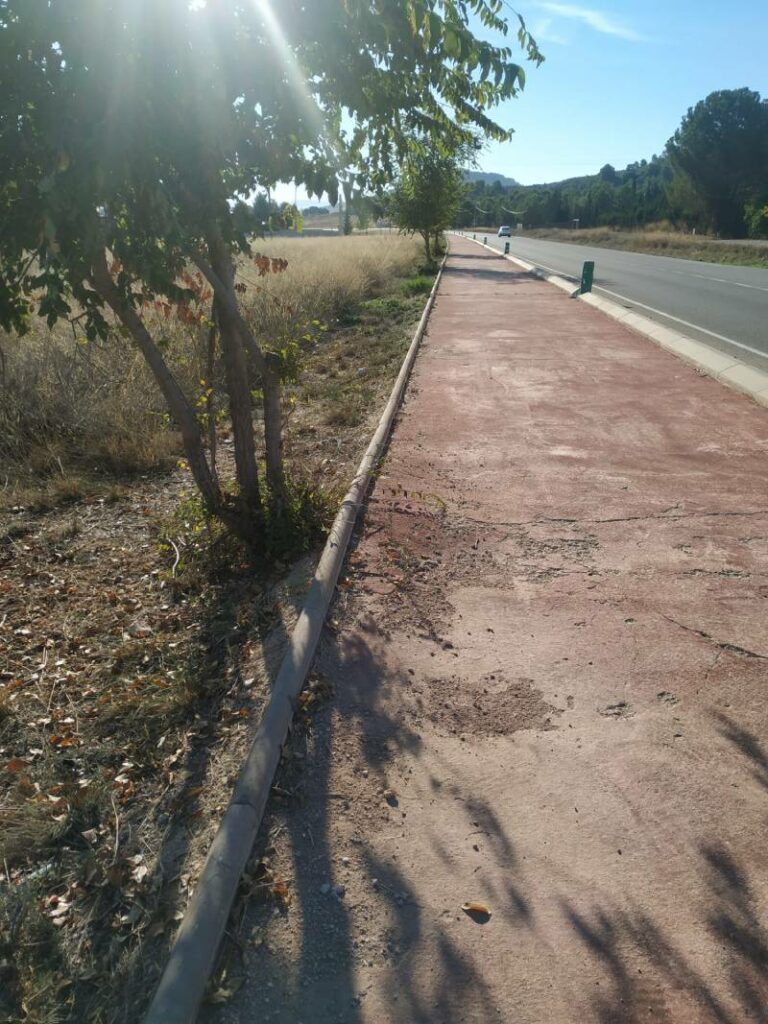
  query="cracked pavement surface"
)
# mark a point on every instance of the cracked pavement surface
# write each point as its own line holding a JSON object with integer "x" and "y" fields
{"x": 548, "y": 665}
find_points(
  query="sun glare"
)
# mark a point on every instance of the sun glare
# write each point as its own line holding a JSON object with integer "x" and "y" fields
{"x": 294, "y": 74}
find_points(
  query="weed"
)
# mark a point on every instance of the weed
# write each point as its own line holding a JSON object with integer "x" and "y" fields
{"x": 421, "y": 285}
{"x": 388, "y": 305}
{"x": 65, "y": 532}
{"x": 429, "y": 269}
{"x": 205, "y": 547}
{"x": 27, "y": 828}
{"x": 304, "y": 523}
{"x": 349, "y": 413}
{"x": 59, "y": 490}
{"x": 31, "y": 961}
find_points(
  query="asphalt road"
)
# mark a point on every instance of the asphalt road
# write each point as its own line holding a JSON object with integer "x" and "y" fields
{"x": 724, "y": 306}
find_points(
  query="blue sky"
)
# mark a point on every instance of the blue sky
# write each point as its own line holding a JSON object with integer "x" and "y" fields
{"x": 618, "y": 77}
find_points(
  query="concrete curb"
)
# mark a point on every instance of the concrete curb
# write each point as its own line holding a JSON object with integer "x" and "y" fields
{"x": 193, "y": 954}
{"x": 728, "y": 370}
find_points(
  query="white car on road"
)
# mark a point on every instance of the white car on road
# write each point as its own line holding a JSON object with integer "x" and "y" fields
{"x": 505, "y": 231}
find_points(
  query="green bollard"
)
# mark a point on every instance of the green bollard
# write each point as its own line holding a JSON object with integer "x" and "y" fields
{"x": 587, "y": 276}
{"x": 506, "y": 248}
{"x": 485, "y": 239}
{"x": 474, "y": 236}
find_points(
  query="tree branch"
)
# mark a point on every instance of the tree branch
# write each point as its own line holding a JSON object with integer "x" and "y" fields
{"x": 225, "y": 296}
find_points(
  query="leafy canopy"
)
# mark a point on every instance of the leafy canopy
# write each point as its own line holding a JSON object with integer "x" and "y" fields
{"x": 722, "y": 146}
{"x": 131, "y": 125}
{"x": 427, "y": 196}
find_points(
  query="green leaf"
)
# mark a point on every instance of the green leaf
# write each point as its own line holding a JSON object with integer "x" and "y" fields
{"x": 452, "y": 44}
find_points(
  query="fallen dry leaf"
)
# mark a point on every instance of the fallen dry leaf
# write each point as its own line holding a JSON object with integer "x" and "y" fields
{"x": 476, "y": 909}
{"x": 225, "y": 992}
{"x": 281, "y": 892}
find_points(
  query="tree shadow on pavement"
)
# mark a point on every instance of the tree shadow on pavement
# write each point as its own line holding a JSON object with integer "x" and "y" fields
{"x": 748, "y": 744}
{"x": 505, "y": 277}
{"x": 648, "y": 974}
{"x": 471, "y": 256}
{"x": 321, "y": 973}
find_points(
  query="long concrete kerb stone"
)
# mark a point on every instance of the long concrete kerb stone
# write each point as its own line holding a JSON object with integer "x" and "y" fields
{"x": 725, "y": 368}
{"x": 193, "y": 953}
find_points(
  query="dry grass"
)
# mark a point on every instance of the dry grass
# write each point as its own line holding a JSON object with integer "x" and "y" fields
{"x": 128, "y": 687}
{"x": 74, "y": 415}
{"x": 327, "y": 277}
{"x": 661, "y": 241}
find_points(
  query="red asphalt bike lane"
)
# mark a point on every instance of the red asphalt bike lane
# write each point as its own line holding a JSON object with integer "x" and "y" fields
{"x": 550, "y": 666}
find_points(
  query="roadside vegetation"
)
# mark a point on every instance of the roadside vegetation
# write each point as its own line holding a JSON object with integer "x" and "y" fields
{"x": 426, "y": 197}
{"x": 713, "y": 176}
{"x": 137, "y": 637}
{"x": 662, "y": 240}
{"x": 139, "y": 208}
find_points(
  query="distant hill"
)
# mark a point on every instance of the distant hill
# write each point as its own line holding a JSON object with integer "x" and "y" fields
{"x": 489, "y": 177}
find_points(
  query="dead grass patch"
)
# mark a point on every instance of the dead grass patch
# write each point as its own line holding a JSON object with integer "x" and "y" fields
{"x": 136, "y": 652}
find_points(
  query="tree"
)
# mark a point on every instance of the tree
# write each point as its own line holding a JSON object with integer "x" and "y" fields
{"x": 427, "y": 196}
{"x": 757, "y": 217}
{"x": 722, "y": 146}
{"x": 685, "y": 203}
{"x": 129, "y": 127}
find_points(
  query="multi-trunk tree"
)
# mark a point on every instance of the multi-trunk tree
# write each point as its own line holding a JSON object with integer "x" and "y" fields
{"x": 128, "y": 128}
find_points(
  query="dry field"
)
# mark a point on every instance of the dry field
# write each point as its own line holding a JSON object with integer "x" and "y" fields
{"x": 137, "y": 643}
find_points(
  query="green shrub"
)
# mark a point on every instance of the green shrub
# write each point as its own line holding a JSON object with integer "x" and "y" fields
{"x": 420, "y": 285}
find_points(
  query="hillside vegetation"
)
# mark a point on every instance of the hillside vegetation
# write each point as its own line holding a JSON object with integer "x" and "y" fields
{"x": 712, "y": 177}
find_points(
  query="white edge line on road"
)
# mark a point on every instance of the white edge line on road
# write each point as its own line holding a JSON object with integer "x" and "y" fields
{"x": 720, "y": 280}
{"x": 652, "y": 309}
{"x": 685, "y": 323}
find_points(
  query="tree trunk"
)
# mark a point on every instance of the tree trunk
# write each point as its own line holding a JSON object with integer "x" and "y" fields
{"x": 425, "y": 236}
{"x": 273, "y": 419}
{"x": 178, "y": 404}
{"x": 347, "y": 189}
{"x": 210, "y": 405}
{"x": 240, "y": 413}
{"x": 273, "y": 434}
{"x": 238, "y": 387}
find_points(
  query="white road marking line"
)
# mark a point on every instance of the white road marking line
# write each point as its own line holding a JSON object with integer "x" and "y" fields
{"x": 659, "y": 312}
{"x": 686, "y": 323}
{"x": 722, "y": 280}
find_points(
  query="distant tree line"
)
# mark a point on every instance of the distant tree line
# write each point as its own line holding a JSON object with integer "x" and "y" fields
{"x": 713, "y": 176}
{"x": 262, "y": 215}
